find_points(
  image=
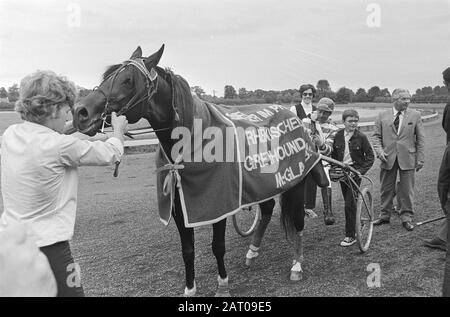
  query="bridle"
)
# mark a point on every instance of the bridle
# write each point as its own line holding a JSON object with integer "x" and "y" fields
{"x": 151, "y": 87}
{"x": 151, "y": 83}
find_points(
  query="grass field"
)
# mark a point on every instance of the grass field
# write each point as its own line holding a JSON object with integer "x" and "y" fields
{"x": 124, "y": 250}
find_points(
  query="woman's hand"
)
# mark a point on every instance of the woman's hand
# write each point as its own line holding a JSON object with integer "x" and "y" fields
{"x": 119, "y": 125}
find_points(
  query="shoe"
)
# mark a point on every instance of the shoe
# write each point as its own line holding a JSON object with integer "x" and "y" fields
{"x": 380, "y": 221}
{"x": 310, "y": 213}
{"x": 348, "y": 241}
{"x": 408, "y": 225}
{"x": 436, "y": 243}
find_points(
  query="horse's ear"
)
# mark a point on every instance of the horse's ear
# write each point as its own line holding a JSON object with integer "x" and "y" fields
{"x": 153, "y": 60}
{"x": 137, "y": 53}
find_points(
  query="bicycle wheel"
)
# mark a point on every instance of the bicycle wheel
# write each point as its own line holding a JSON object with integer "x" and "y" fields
{"x": 245, "y": 221}
{"x": 364, "y": 219}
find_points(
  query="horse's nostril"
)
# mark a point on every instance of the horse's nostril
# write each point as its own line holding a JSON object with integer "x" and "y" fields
{"x": 82, "y": 114}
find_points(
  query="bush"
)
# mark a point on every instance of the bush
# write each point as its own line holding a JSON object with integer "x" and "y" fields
{"x": 6, "y": 105}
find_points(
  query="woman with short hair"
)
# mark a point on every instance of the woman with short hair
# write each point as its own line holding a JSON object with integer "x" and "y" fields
{"x": 39, "y": 175}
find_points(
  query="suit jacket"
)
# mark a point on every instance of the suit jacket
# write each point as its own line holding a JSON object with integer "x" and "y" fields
{"x": 408, "y": 147}
{"x": 446, "y": 121}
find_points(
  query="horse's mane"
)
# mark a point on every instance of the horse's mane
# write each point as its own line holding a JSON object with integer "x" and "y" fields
{"x": 109, "y": 70}
{"x": 182, "y": 99}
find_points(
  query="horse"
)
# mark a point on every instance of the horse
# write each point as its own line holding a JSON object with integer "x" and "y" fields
{"x": 139, "y": 88}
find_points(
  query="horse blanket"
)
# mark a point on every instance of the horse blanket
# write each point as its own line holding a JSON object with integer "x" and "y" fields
{"x": 232, "y": 157}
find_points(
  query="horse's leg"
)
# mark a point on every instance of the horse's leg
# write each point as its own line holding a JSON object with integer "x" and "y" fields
{"x": 187, "y": 248}
{"x": 218, "y": 248}
{"x": 292, "y": 217}
{"x": 266, "y": 214}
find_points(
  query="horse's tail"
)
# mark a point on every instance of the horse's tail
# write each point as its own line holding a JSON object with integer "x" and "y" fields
{"x": 292, "y": 209}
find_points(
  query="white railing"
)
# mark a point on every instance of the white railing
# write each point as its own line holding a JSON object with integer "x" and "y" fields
{"x": 154, "y": 141}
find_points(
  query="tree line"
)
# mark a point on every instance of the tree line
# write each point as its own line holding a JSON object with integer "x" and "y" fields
{"x": 343, "y": 95}
{"x": 428, "y": 94}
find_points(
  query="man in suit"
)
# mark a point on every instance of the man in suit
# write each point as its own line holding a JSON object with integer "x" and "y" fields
{"x": 440, "y": 241}
{"x": 303, "y": 110}
{"x": 399, "y": 142}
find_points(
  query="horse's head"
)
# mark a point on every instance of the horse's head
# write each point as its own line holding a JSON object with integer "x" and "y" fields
{"x": 127, "y": 89}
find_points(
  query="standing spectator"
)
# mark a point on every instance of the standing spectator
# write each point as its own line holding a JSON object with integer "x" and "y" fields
{"x": 303, "y": 110}
{"x": 305, "y": 107}
{"x": 444, "y": 192}
{"x": 353, "y": 148}
{"x": 440, "y": 241}
{"x": 399, "y": 142}
{"x": 323, "y": 133}
{"x": 39, "y": 174}
{"x": 446, "y": 114}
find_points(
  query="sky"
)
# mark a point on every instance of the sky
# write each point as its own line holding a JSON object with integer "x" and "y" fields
{"x": 255, "y": 44}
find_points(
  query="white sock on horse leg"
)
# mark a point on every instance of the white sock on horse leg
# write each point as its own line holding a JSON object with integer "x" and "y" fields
{"x": 222, "y": 281}
{"x": 252, "y": 252}
{"x": 297, "y": 267}
{"x": 190, "y": 292}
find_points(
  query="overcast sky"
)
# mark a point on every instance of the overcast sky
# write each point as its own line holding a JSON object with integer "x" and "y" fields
{"x": 254, "y": 44}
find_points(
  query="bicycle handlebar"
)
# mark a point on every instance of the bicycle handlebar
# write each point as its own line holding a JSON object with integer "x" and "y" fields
{"x": 340, "y": 164}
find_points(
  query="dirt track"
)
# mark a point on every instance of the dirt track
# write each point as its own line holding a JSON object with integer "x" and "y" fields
{"x": 124, "y": 250}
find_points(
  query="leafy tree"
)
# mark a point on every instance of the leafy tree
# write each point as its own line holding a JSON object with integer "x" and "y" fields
{"x": 198, "y": 91}
{"x": 259, "y": 93}
{"x": 385, "y": 93}
{"x": 361, "y": 95}
{"x": 344, "y": 95}
{"x": 373, "y": 92}
{"x": 323, "y": 85}
{"x": 3, "y": 93}
{"x": 229, "y": 92}
{"x": 427, "y": 90}
{"x": 242, "y": 92}
{"x": 13, "y": 93}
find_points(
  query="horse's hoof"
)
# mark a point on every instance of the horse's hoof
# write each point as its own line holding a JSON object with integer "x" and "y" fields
{"x": 190, "y": 292}
{"x": 222, "y": 288}
{"x": 249, "y": 262}
{"x": 224, "y": 293}
{"x": 329, "y": 221}
{"x": 250, "y": 257}
{"x": 296, "y": 276}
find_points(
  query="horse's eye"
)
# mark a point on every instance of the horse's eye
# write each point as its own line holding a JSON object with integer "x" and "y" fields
{"x": 127, "y": 82}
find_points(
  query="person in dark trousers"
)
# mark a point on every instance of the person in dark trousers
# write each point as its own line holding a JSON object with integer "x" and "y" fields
{"x": 353, "y": 148}
{"x": 440, "y": 241}
{"x": 303, "y": 110}
{"x": 39, "y": 171}
{"x": 444, "y": 192}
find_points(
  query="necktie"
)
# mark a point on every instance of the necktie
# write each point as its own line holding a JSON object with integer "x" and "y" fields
{"x": 397, "y": 120}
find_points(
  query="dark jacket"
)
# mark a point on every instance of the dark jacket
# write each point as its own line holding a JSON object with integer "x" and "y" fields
{"x": 446, "y": 121}
{"x": 360, "y": 149}
{"x": 444, "y": 181}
